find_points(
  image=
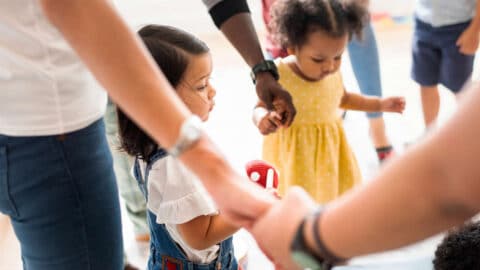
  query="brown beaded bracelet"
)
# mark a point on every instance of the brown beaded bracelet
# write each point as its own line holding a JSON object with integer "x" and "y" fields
{"x": 326, "y": 254}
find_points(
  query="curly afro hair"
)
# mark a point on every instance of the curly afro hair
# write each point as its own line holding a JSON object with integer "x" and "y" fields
{"x": 460, "y": 249}
{"x": 293, "y": 20}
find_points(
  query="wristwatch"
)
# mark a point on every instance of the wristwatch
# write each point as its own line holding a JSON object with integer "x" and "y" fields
{"x": 302, "y": 254}
{"x": 190, "y": 132}
{"x": 264, "y": 66}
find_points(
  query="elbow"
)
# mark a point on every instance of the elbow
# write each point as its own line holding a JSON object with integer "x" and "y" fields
{"x": 199, "y": 243}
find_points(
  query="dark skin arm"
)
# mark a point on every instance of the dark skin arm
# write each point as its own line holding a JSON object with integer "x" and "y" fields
{"x": 247, "y": 44}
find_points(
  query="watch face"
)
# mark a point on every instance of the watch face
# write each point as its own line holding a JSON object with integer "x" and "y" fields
{"x": 192, "y": 133}
{"x": 306, "y": 261}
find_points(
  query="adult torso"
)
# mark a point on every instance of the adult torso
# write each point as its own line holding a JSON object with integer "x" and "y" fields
{"x": 445, "y": 12}
{"x": 44, "y": 87}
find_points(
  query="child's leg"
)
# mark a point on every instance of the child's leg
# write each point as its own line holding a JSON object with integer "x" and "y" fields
{"x": 430, "y": 104}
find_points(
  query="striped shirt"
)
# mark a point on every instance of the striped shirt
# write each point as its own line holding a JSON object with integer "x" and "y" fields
{"x": 445, "y": 12}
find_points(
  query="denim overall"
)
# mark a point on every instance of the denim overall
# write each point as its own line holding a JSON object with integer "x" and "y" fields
{"x": 165, "y": 254}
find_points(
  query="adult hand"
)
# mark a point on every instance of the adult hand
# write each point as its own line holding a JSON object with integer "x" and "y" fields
{"x": 275, "y": 97}
{"x": 469, "y": 40}
{"x": 275, "y": 230}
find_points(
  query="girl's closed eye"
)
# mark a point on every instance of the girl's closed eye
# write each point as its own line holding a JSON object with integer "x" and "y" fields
{"x": 202, "y": 87}
{"x": 318, "y": 60}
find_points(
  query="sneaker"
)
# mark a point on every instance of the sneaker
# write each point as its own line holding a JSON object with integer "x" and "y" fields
{"x": 383, "y": 153}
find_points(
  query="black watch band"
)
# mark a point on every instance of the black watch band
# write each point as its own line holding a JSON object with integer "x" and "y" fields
{"x": 325, "y": 253}
{"x": 264, "y": 66}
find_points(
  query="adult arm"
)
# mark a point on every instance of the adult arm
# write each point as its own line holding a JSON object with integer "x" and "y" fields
{"x": 430, "y": 188}
{"x": 120, "y": 62}
{"x": 233, "y": 18}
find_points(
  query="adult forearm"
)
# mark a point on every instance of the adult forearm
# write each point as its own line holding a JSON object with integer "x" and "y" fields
{"x": 241, "y": 33}
{"x": 119, "y": 61}
{"x": 427, "y": 190}
{"x": 233, "y": 18}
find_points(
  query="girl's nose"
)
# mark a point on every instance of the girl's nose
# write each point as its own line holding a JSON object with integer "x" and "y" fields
{"x": 329, "y": 66}
{"x": 212, "y": 92}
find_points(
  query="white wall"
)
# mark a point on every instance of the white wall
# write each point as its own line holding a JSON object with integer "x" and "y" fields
{"x": 392, "y": 7}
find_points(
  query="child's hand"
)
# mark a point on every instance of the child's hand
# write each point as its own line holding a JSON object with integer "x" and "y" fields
{"x": 270, "y": 123}
{"x": 392, "y": 104}
{"x": 468, "y": 41}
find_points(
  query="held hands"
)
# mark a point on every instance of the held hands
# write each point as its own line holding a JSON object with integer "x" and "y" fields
{"x": 275, "y": 97}
{"x": 392, "y": 104}
{"x": 275, "y": 230}
{"x": 469, "y": 40}
{"x": 269, "y": 123}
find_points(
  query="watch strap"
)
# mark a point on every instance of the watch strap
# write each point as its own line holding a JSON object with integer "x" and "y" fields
{"x": 325, "y": 253}
{"x": 190, "y": 133}
{"x": 265, "y": 66}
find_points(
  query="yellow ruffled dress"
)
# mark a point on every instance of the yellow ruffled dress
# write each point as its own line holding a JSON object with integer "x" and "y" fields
{"x": 313, "y": 152}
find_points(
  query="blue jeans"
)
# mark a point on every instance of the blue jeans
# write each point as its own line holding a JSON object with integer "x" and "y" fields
{"x": 366, "y": 65}
{"x": 61, "y": 195}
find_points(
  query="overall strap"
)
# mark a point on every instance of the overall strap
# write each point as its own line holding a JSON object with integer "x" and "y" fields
{"x": 142, "y": 179}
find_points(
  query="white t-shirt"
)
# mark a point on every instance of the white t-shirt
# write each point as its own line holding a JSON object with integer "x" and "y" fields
{"x": 445, "y": 12}
{"x": 44, "y": 87}
{"x": 176, "y": 196}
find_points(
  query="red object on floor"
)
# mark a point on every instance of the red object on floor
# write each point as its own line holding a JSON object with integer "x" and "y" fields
{"x": 262, "y": 173}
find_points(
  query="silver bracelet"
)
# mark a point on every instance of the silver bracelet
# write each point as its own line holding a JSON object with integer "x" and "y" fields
{"x": 190, "y": 132}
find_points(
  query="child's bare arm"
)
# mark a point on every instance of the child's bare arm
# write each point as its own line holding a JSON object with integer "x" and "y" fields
{"x": 205, "y": 231}
{"x": 357, "y": 102}
{"x": 266, "y": 121}
{"x": 352, "y": 101}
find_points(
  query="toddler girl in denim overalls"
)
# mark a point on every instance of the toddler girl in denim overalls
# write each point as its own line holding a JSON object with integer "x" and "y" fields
{"x": 187, "y": 231}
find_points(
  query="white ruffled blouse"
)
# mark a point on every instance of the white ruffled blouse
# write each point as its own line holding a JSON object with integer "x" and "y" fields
{"x": 176, "y": 196}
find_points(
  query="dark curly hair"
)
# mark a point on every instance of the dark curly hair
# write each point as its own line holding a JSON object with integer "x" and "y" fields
{"x": 293, "y": 20}
{"x": 169, "y": 48}
{"x": 460, "y": 249}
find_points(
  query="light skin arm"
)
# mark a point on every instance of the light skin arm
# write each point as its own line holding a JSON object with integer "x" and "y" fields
{"x": 205, "y": 231}
{"x": 425, "y": 191}
{"x": 353, "y": 101}
{"x": 119, "y": 61}
{"x": 247, "y": 44}
{"x": 470, "y": 38}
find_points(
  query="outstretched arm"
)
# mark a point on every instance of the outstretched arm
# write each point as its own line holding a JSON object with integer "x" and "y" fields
{"x": 232, "y": 17}
{"x": 353, "y": 101}
{"x": 119, "y": 61}
{"x": 430, "y": 188}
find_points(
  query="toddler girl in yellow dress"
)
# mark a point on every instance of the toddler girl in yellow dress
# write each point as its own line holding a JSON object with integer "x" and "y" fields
{"x": 313, "y": 152}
